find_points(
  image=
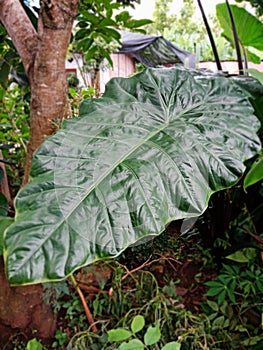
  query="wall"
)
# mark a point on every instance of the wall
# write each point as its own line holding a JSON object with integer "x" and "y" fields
{"x": 229, "y": 66}
{"x": 123, "y": 66}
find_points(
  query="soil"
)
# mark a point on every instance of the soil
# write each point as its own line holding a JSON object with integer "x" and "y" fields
{"x": 189, "y": 274}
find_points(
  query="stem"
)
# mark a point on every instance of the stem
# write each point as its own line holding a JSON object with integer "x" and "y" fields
{"x": 210, "y": 35}
{"x": 245, "y": 60}
{"x": 86, "y": 308}
{"x": 239, "y": 57}
{"x": 256, "y": 237}
{"x": 81, "y": 69}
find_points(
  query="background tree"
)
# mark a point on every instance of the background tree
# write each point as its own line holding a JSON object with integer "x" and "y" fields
{"x": 162, "y": 18}
{"x": 257, "y": 4}
{"x": 186, "y": 30}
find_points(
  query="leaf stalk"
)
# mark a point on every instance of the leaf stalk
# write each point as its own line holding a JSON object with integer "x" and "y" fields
{"x": 210, "y": 35}
{"x": 85, "y": 305}
{"x": 239, "y": 57}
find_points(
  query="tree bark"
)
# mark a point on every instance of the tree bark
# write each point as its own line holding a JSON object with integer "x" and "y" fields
{"x": 43, "y": 54}
{"x": 49, "y": 101}
{"x": 23, "y": 310}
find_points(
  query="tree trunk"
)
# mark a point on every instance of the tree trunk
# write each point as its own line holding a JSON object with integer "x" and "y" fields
{"x": 23, "y": 311}
{"x": 43, "y": 54}
{"x": 49, "y": 101}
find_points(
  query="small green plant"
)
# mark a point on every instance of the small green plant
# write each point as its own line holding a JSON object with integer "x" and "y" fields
{"x": 235, "y": 306}
{"x": 137, "y": 293}
{"x": 224, "y": 285}
{"x": 237, "y": 281}
{"x": 61, "y": 339}
{"x": 53, "y": 292}
{"x": 75, "y": 313}
{"x": 130, "y": 340}
{"x": 34, "y": 344}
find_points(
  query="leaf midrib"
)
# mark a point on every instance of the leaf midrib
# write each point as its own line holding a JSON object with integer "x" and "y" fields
{"x": 101, "y": 178}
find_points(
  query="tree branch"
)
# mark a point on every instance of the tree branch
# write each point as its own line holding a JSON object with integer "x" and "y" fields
{"x": 21, "y": 31}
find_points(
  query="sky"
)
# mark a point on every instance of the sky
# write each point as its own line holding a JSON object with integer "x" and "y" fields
{"x": 145, "y": 9}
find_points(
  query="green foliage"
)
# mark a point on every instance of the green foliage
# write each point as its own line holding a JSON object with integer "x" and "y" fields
{"x": 224, "y": 285}
{"x": 249, "y": 29}
{"x": 97, "y": 31}
{"x": 151, "y": 336}
{"x": 53, "y": 292}
{"x": 225, "y": 326}
{"x": 174, "y": 109}
{"x": 135, "y": 304}
{"x": 34, "y": 344}
{"x": 161, "y": 18}
{"x": 239, "y": 311}
{"x": 72, "y": 80}
{"x": 186, "y": 31}
{"x": 255, "y": 173}
{"x": 137, "y": 323}
{"x": 76, "y": 96}
{"x": 118, "y": 334}
{"x": 244, "y": 255}
{"x": 258, "y": 4}
{"x": 14, "y": 131}
{"x": 10, "y": 61}
{"x": 61, "y": 339}
{"x": 74, "y": 313}
{"x": 256, "y": 74}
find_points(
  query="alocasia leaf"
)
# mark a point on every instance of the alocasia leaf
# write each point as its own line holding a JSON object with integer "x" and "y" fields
{"x": 256, "y": 74}
{"x": 249, "y": 28}
{"x": 255, "y": 174}
{"x": 153, "y": 149}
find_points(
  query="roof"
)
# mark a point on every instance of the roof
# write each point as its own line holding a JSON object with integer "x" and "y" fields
{"x": 154, "y": 50}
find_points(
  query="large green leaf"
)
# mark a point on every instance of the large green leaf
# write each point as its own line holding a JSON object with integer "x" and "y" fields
{"x": 152, "y": 150}
{"x": 252, "y": 57}
{"x": 249, "y": 28}
{"x": 255, "y": 174}
{"x": 256, "y": 74}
